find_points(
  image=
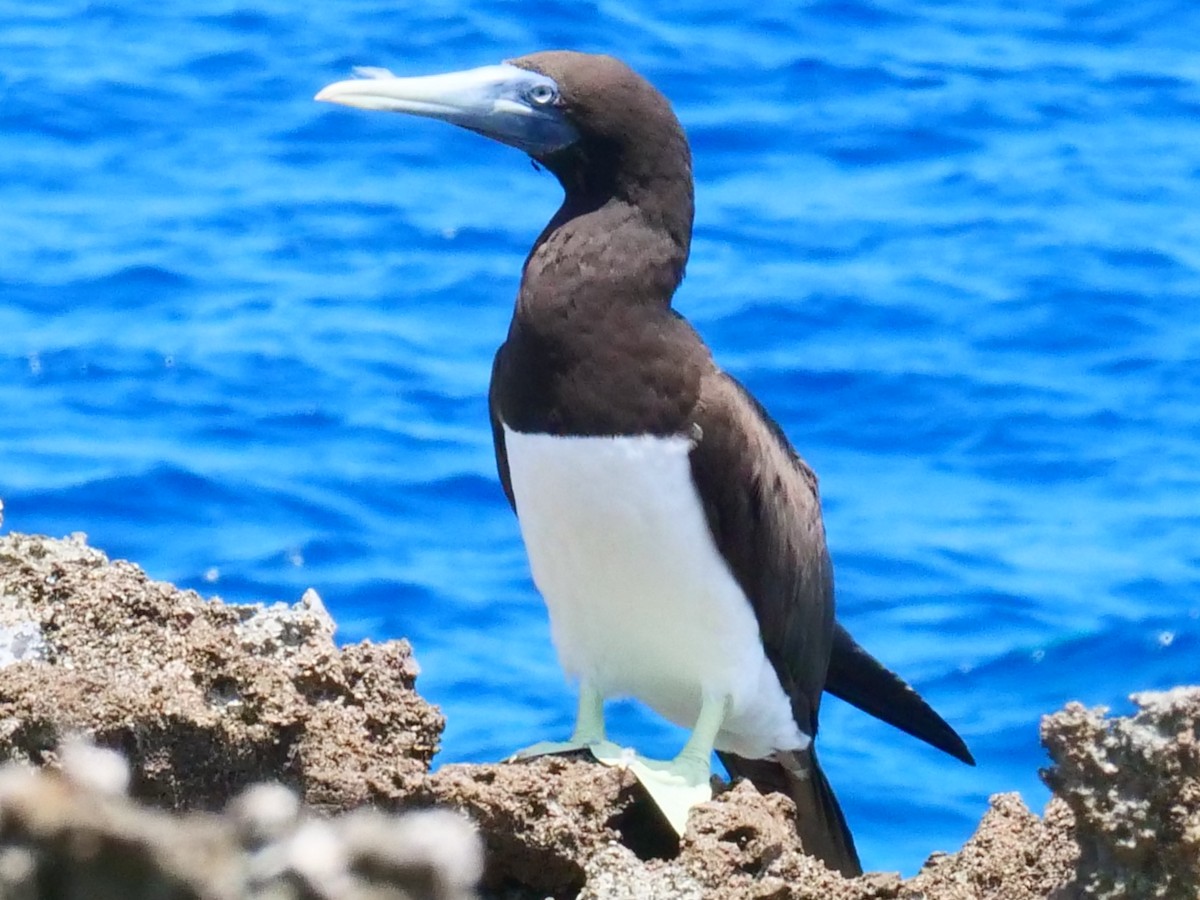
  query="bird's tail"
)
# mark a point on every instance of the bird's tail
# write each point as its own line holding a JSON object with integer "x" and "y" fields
{"x": 819, "y": 820}
{"x": 859, "y": 678}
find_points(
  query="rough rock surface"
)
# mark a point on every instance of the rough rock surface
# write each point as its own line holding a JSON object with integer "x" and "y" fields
{"x": 205, "y": 698}
{"x": 1133, "y": 785}
{"x": 566, "y": 828}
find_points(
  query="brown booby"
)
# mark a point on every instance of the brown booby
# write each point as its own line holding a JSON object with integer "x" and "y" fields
{"x": 673, "y": 531}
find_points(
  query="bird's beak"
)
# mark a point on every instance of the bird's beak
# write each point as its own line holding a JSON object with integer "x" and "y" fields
{"x": 504, "y": 102}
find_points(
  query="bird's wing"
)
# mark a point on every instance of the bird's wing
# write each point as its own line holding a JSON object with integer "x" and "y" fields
{"x": 763, "y": 512}
{"x": 765, "y": 517}
{"x": 852, "y": 673}
{"x": 498, "y": 431}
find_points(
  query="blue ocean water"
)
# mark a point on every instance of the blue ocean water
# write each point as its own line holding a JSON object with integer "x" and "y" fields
{"x": 952, "y": 246}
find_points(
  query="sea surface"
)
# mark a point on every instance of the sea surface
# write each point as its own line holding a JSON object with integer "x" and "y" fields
{"x": 245, "y": 338}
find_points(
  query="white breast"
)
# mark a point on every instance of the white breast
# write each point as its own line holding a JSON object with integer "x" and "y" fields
{"x": 641, "y": 602}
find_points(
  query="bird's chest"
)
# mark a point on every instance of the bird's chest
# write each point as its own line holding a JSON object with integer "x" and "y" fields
{"x": 641, "y": 602}
{"x": 596, "y": 371}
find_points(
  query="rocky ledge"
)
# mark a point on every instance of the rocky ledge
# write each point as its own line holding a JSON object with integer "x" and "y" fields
{"x": 162, "y": 745}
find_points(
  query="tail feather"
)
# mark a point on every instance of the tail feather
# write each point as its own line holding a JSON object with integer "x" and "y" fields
{"x": 860, "y": 679}
{"x": 819, "y": 821}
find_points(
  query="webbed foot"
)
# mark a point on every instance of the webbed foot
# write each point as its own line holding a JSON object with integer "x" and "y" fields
{"x": 598, "y": 748}
{"x": 674, "y": 785}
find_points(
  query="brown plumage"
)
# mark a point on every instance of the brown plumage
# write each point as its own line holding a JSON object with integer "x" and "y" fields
{"x": 595, "y": 350}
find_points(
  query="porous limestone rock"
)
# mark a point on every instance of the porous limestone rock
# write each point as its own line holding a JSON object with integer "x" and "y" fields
{"x": 203, "y": 697}
{"x": 206, "y": 699}
{"x": 1133, "y": 785}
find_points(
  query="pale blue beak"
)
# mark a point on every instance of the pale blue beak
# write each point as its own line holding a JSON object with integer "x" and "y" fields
{"x": 504, "y": 102}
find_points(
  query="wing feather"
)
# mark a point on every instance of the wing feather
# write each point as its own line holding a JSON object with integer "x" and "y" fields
{"x": 765, "y": 516}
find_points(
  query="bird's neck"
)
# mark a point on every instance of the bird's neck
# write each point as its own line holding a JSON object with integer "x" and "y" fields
{"x": 592, "y": 336}
{"x": 624, "y": 230}
{"x": 612, "y": 251}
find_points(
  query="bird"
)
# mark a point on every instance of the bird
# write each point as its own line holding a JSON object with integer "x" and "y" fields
{"x": 672, "y": 529}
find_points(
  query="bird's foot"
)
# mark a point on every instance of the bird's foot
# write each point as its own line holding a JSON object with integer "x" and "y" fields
{"x": 674, "y": 785}
{"x": 601, "y": 749}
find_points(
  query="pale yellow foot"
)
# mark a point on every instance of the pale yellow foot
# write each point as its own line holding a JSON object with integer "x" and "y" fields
{"x": 598, "y": 749}
{"x": 677, "y": 785}
{"x": 674, "y": 785}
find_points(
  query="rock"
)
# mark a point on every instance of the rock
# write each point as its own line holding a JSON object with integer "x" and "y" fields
{"x": 203, "y": 697}
{"x": 66, "y": 836}
{"x": 206, "y": 699}
{"x": 20, "y": 640}
{"x": 541, "y": 820}
{"x": 564, "y": 827}
{"x": 1133, "y": 785}
{"x": 1013, "y": 855}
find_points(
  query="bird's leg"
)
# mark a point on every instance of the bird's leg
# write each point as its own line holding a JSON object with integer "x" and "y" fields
{"x": 588, "y": 733}
{"x": 679, "y": 784}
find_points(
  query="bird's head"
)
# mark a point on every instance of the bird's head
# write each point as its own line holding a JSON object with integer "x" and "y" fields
{"x": 590, "y": 119}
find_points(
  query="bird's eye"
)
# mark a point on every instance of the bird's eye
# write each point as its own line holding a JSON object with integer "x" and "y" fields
{"x": 542, "y": 95}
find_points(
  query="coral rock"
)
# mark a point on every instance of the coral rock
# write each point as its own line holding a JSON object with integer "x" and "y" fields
{"x": 204, "y": 698}
{"x": 1133, "y": 785}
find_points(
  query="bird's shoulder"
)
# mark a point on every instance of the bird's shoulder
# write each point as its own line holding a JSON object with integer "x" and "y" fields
{"x": 735, "y": 431}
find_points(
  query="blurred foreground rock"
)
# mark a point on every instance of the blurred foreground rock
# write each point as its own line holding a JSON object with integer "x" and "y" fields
{"x": 206, "y": 699}
{"x": 71, "y": 832}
